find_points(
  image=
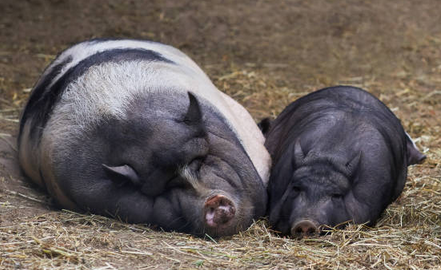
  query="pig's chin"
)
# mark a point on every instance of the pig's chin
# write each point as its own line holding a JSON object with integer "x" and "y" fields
{"x": 226, "y": 229}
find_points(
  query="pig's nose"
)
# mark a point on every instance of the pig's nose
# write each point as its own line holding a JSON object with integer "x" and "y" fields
{"x": 303, "y": 228}
{"x": 218, "y": 211}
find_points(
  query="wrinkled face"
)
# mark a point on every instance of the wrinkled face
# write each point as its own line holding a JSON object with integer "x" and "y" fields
{"x": 308, "y": 193}
{"x": 202, "y": 176}
{"x": 315, "y": 196}
{"x": 215, "y": 202}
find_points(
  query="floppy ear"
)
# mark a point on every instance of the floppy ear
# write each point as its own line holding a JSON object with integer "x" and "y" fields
{"x": 120, "y": 175}
{"x": 193, "y": 115}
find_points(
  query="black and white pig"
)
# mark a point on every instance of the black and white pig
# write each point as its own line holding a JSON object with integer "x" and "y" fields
{"x": 339, "y": 155}
{"x": 136, "y": 130}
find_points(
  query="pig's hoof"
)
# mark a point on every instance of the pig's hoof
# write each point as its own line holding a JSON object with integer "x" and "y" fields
{"x": 304, "y": 228}
{"x": 218, "y": 211}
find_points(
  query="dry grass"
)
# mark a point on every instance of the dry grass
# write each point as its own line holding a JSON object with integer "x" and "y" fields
{"x": 64, "y": 240}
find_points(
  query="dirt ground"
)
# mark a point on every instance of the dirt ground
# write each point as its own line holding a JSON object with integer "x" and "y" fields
{"x": 265, "y": 54}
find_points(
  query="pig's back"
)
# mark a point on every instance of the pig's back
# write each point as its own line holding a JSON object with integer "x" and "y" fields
{"x": 341, "y": 109}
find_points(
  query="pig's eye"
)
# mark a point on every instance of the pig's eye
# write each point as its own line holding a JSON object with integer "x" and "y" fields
{"x": 336, "y": 196}
{"x": 196, "y": 163}
{"x": 296, "y": 189}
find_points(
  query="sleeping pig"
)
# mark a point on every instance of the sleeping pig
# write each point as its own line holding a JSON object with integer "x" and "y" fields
{"x": 339, "y": 154}
{"x": 135, "y": 130}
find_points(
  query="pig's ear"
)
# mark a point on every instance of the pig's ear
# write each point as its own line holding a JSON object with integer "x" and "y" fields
{"x": 120, "y": 175}
{"x": 264, "y": 125}
{"x": 299, "y": 156}
{"x": 414, "y": 156}
{"x": 352, "y": 165}
{"x": 193, "y": 115}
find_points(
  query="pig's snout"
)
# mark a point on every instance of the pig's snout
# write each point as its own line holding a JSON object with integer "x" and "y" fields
{"x": 218, "y": 211}
{"x": 304, "y": 228}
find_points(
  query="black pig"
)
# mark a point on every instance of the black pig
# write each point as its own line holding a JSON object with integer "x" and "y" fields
{"x": 135, "y": 130}
{"x": 339, "y": 154}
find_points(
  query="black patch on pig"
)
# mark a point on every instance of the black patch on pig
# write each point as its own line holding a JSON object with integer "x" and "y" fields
{"x": 43, "y": 99}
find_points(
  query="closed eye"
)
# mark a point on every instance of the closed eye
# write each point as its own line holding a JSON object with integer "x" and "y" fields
{"x": 336, "y": 196}
{"x": 196, "y": 163}
{"x": 296, "y": 189}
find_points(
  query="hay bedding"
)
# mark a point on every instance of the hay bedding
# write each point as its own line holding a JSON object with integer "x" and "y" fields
{"x": 34, "y": 235}
{"x": 407, "y": 237}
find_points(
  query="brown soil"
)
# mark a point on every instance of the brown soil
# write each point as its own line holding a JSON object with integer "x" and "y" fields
{"x": 264, "y": 54}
